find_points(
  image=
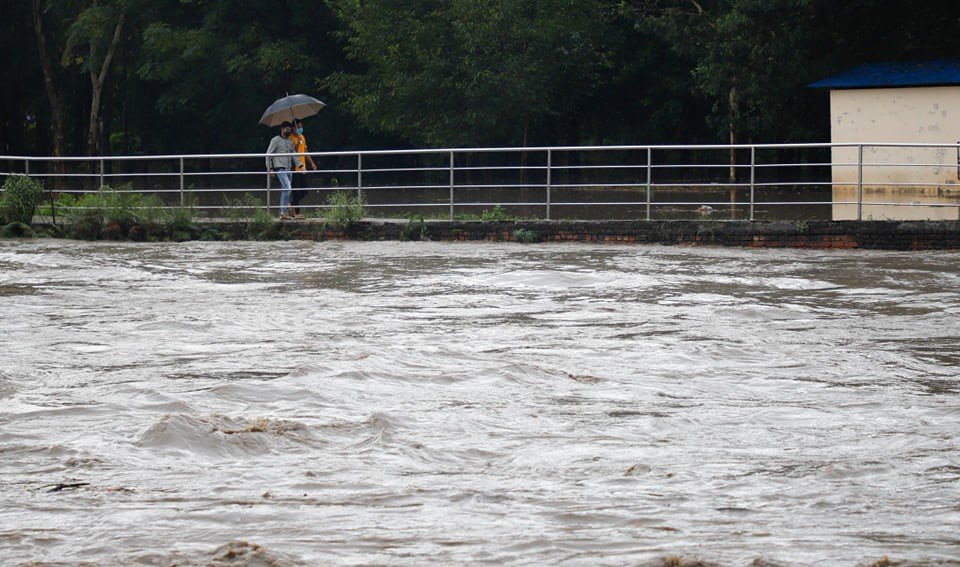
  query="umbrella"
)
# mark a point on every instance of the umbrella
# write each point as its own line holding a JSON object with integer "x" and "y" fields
{"x": 289, "y": 107}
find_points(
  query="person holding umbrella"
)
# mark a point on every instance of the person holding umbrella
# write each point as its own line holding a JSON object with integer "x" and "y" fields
{"x": 282, "y": 112}
{"x": 300, "y": 163}
{"x": 279, "y": 163}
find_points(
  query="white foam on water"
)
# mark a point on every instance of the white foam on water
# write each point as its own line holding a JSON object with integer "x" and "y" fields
{"x": 293, "y": 403}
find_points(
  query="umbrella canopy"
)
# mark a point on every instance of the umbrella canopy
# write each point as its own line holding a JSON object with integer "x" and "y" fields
{"x": 289, "y": 107}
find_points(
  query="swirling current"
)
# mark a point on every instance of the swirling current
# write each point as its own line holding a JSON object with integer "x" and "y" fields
{"x": 424, "y": 403}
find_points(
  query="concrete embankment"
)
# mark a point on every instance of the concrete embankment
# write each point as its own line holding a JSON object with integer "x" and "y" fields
{"x": 887, "y": 235}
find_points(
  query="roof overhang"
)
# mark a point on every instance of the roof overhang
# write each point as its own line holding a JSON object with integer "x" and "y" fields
{"x": 895, "y": 75}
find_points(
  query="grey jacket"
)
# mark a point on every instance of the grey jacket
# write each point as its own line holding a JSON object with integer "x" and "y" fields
{"x": 280, "y": 145}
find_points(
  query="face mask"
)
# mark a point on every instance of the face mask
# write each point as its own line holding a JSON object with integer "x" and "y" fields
{"x": 299, "y": 131}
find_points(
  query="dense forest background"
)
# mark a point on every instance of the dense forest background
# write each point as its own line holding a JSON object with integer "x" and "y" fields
{"x": 88, "y": 77}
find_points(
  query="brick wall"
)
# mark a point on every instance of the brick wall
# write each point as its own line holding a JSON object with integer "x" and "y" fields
{"x": 887, "y": 235}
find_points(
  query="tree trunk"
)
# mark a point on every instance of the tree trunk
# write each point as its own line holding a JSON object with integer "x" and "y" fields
{"x": 97, "y": 79}
{"x": 57, "y": 109}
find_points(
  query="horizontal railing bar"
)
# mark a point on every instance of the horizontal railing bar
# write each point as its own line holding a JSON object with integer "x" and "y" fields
{"x": 444, "y": 169}
{"x": 447, "y": 151}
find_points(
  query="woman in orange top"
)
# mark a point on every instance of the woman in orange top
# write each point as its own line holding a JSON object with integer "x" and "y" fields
{"x": 300, "y": 175}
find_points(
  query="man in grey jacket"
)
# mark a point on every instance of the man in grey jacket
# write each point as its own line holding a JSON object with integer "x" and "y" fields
{"x": 281, "y": 165}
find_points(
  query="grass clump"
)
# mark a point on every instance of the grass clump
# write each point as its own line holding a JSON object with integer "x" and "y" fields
{"x": 415, "y": 229}
{"x": 248, "y": 217}
{"x": 346, "y": 210}
{"x": 497, "y": 214}
{"x": 526, "y": 236}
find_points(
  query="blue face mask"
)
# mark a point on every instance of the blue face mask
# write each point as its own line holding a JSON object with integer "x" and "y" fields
{"x": 300, "y": 131}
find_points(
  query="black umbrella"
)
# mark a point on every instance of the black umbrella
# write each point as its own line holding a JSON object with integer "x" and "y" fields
{"x": 288, "y": 108}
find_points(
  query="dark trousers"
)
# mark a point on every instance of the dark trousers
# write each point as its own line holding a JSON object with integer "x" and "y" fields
{"x": 299, "y": 190}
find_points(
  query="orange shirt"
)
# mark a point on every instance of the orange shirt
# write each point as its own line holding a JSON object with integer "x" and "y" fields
{"x": 299, "y": 146}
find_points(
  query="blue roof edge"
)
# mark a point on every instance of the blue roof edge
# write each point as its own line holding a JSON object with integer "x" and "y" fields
{"x": 902, "y": 74}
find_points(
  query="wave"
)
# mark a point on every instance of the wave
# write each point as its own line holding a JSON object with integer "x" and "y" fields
{"x": 223, "y": 436}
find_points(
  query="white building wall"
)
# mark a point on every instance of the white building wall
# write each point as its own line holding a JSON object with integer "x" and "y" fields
{"x": 893, "y": 178}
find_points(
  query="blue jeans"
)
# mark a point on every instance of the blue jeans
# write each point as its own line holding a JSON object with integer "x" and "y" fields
{"x": 284, "y": 176}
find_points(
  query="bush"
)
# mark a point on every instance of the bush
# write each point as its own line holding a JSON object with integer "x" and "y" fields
{"x": 526, "y": 236}
{"x": 83, "y": 215}
{"x": 249, "y": 217}
{"x": 16, "y": 229}
{"x": 21, "y": 195}
{"x": 346, "y": 210}
{"x": 497, "y": 214}
{"x": 115, "y": 215}
{"x": 179, "y": 222}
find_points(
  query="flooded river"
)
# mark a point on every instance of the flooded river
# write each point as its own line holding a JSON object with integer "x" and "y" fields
{"x": 389, "y": 403}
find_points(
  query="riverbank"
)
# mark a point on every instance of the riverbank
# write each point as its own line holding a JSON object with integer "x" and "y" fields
{"x": 886, "y": 235}
{"x": 876, "y": 235}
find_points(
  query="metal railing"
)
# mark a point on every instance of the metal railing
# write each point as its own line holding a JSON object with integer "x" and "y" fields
{"x": 666, "y": 182}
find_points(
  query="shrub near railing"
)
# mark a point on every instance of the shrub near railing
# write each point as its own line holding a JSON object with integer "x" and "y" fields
{"x": 346, "y": 210}
{"x": 120, "y": 215}
{"x": 248, "y": 217}
{"x": 21, "y": 195}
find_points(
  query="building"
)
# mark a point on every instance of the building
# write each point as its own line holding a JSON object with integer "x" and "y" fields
{"x": 916, "y": 105}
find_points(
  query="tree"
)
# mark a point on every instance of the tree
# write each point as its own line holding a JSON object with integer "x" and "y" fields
{"x": 51, "y": 78}
{"x": 215, "y": 66}
{"x": 21, "y": 79}
{"x": 463, "y": 72}
{"x": 82, "y": 34}
{"x": 91, "y": 43}
{"x": 738, "y": 51}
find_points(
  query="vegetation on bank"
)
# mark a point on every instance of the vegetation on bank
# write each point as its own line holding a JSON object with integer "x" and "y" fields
{"x": 111, "y": 214}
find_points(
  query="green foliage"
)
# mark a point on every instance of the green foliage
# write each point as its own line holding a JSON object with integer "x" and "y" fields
{"x": 497, "y": 214}
{"x": 446, "y": 72}
{"x": 249, "y": 216}
{"x": 415, "y": 229}
{"x": 16, "y": 229}
{"x": 180, "y": 224}
{"x": 83, "y": 216}
{"x": 467, "y": 72}
{"x": 116, "y": 215}
{"x": 21, "y": 195}
{"x": 526, "y": 236}
{"x": 193, "y": 53}
{"x": 346, "y": 209}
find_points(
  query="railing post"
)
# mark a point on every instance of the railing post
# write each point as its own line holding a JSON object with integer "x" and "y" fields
{"x": 26, "y": 167}
{"x": 649, "y": 181}
{"x": 182, "y": 198}
{"x": 452, "y": 157}
{"x": 359, "y": 176}
{"x": 860, "y": 182}
{"x": 101, "y": 174}
{"x": 269, "y": 183}
{"x": 549, "y": 178}
{"x": 753, "y": 177}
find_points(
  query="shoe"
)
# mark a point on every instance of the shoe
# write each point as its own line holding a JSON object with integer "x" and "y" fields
{"x": 298, "y": 217}
{"x": 285, "y": 217}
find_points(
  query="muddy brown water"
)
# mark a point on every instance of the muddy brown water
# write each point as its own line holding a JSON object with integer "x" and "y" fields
{"x": 391, "y": 403}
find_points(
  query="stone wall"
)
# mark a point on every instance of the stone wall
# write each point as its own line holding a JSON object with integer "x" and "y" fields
{"x": 886, "y": 235}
